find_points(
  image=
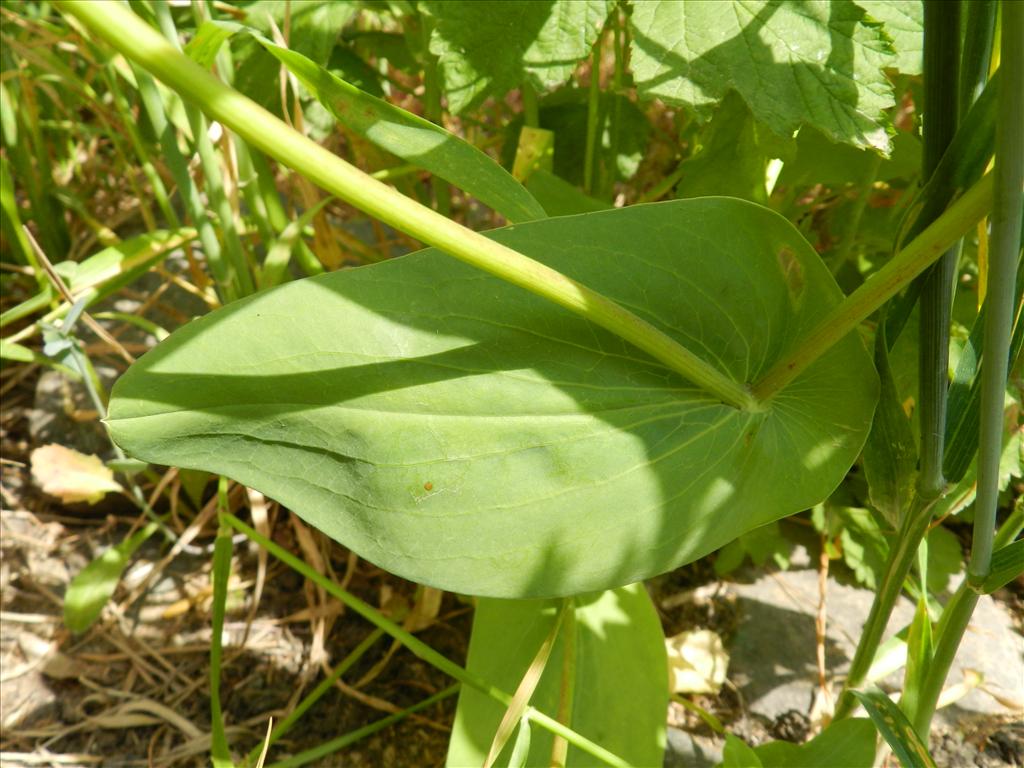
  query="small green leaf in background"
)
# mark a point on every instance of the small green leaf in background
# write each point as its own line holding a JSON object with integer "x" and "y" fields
{"x": 734, "y": 156}
{"x": 846, "y": 743}
{"x": 92, "y": 587}
{"x": 620, "y": 686}
{"x": 896, "y": 729}
{"x": 793, "y": 63}
{"x": 1007, "y": 565}
{"x": 487, "y": 47}
{"x": 761, "y": 544}
{"x": 919, "y": 656}
{"x": 413, "y": 139}
{"x": 890, "y": 454}
{"x": 559, "y": 197}
{"x": 738, "y": 754}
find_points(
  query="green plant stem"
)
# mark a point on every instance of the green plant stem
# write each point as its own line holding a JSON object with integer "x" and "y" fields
{"x": 999, "y": 308}
{"x": 979, "y": 32}
{"x": 1004, "y": 262}
{"x": 531, "y": 112}
{"x": 593, "y": 104}
{"x": 220, "y": 753}
{"x": 924, "y": 249}
{"x": 941, "y": 77}
{"x": 139, "y": 42}
{"x": 232, "y": 273}
{"x": 902, "y": 554}
{"x": 421, "y": 649}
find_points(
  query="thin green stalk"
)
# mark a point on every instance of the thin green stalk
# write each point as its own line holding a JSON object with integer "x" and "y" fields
{"x": 567, "y": 686}
{"x": 620, "y": 48}
{"x": 433, "y": 112}
{"x": 593, "y": 103}
{"x": 220, "y": 753}
{"x": 979, "y": 33}
{"x": 232, "y": 273}
{"x": 418, "y": 647}
{"x": 141, "y": 152}
{"x": 164, "y": 130}
{"x": 924, "y": 249}
{"x": 1004, "y": 261}
{"x": 332, "y": 746}
{"x": 941, "y": 78}
{"x": 315, "y": 695}
{"x": 902, "y": 554}
{"x": 531, "y": 112}
{"x": 139, "y": 42}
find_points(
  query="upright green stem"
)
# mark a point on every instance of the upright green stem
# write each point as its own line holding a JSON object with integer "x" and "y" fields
{"x": 139, "y": 42}
{"x": 1004, "y": 260}
{"x": 924, "y": 249}
{"x": 902, "y": 555}
{"x": 593, "y": 109}
{"x": 941, "y": 79}
{"x": 977, "y": 51}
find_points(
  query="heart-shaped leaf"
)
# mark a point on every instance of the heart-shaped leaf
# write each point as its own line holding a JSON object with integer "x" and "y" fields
{"x": 464, "y": 433}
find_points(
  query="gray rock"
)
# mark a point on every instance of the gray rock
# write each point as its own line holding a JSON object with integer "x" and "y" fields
{"x": 773, "y": 652}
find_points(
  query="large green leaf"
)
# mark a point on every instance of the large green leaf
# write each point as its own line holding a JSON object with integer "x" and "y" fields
{"x": 487, "y": 47}
{"x": 810, "y": 62}
{"x": 620, "y": 679}
{"x": 903, "y": 21}
{"x": 464, "y": 433}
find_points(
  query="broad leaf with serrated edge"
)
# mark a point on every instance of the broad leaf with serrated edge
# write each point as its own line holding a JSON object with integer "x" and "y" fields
{"x": 466, "y": 434}
{"x": 810, "y": 62}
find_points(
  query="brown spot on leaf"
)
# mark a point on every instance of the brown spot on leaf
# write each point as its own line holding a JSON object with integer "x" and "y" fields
{"x": 792, "y": 273}
{"x": 428, "y": 486}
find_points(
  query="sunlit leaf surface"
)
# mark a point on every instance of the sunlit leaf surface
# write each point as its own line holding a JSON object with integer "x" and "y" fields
{"x": 464, "y": 433}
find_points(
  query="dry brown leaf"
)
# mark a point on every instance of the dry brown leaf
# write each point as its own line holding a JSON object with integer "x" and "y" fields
{"x": 72, "y": 476}
{"x": 697, "y": 662}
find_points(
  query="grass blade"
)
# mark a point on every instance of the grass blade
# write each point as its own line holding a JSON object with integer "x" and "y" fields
{"x": 896, "y": 729}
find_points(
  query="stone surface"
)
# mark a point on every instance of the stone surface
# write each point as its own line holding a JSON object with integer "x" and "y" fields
{"x": 773, "y": 651}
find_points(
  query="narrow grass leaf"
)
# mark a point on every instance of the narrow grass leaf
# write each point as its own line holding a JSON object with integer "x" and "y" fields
{"x": 220, "y": 753}
{"x": 1007, "y": 565}
{"x": 280, "y": 253}
{"x": 93, "y": 586}
{"x": 521, "y": 747}
{"x": 413, "y": 139}
{"x": 896, "y": 729}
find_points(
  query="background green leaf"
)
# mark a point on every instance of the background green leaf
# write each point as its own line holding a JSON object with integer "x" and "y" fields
{"x": 92, "y": 587}
{"x": 414, "y": 139}
{"x": 464, "y": 433}
{"x": 793, "y": 63}
{"x": 621, "y": 677}
{"x": 846, "y": 743}
{"x": 487, "y": 47}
